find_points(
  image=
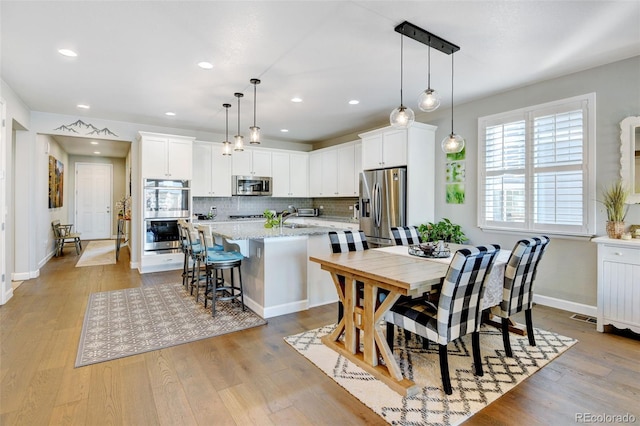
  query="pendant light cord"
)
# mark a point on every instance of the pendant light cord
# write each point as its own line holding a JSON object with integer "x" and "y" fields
{"x": 239, "y": 115}
{"x": 226, "y": 139}
{"x": 452, "y": 93}
{"x": 254, "y": 104}
{"x": 429, "y": 66}
{"x": 401, "y": 66}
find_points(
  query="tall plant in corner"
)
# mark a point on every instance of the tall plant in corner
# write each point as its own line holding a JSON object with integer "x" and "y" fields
{"x": 614, "y": 200}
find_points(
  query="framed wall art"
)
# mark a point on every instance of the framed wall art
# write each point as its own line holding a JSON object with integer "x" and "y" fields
{"x": 56, "y": 182}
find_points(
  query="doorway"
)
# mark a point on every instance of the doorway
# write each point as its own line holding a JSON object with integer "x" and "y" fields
{"x": 94, "y": 195}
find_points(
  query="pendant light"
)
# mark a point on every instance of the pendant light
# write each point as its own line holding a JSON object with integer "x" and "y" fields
{"x": 401, "y": 117}
{"x": 452, "y": 143}
{"x": 239, "y": 139}
{"x": 254, "y": 131}
{"x": 226, "y": 145}
{"x": 429, "y": 100}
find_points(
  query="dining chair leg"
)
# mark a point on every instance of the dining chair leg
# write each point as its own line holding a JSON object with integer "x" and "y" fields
{"x": 241, "y": 289}
{"x": 529, "y": 320}
{"x": 505, "y": 337}
{"x": 444, "y": 369}
{"x": 477, "y": 358}
{"x": 390, "y": 332}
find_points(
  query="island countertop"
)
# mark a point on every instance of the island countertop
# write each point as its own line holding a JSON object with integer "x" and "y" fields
{"x": 256, "y": 230}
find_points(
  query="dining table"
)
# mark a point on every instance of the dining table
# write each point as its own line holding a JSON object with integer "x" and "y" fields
{"x": 393, "y": 270}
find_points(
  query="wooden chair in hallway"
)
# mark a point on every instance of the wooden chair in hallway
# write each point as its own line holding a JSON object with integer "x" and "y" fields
{"x": 63, "y": 234}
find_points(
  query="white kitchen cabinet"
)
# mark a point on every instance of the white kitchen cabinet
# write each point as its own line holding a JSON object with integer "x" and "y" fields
{"x": 290, "y": 174}
{"x": 384, "y": 149}
{"x": 415, "y": 149}
{"x": 251, "y": 162}
{"x": 166, "y": 156}
{"x": 211, "y": 171}
{"x": 618, "y": 283}
{"x": 332, "y": 172}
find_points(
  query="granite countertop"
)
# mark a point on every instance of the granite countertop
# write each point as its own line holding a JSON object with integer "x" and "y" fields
{"x": 245, "y": 230}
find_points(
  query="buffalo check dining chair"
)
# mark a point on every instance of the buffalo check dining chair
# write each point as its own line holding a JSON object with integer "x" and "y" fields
{"x": 459, "y": 310}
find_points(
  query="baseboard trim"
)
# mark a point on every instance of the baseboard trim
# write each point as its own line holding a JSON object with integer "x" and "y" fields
{"x": 566, "y": 305}
{"x": 23, "y": 276}
{"x": 7, "y": 295}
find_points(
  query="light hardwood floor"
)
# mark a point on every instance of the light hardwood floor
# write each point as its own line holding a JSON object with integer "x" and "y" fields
{"x": 253, "y": 376}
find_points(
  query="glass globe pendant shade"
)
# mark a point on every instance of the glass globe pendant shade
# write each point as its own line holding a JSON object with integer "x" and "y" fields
{"x": 429, "y": 100}
{"x": 402, "y": 117}
{"x": 254, "y": 135}
{"x": 452, "y": 144}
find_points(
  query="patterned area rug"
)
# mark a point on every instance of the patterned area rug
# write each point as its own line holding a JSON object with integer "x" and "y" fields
{"x": 431, "y": 405}
{"x": 128, "y": 322}
{"x": 99, "y": 252}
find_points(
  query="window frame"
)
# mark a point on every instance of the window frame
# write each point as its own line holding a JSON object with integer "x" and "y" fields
{"x": 587, "y": 103}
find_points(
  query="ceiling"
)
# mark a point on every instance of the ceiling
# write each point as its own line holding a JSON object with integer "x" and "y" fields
{"x": 138, "y": 60}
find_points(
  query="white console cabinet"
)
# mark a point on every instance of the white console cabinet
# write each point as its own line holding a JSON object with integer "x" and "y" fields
{"x": 618, "y": 283}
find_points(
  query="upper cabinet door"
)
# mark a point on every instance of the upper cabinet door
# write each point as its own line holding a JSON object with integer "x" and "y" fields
{"x": 372, "y": 152}
{"x": 166, "y": 156}
{"x": 201, "y": 182}
{"x": 280, "y": 181}
{"x": 241, "y": 163}
{"x": 299, "y": 175}
{"x": 261, "y": 163}
{"x": 346, "y": 170}
{"x": 220, "y": 173}
{"x": 394, "y": 148}
{"x": 315, "y": 174}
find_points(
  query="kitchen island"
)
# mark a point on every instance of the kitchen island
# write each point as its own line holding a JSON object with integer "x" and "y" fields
{"x": 277, "y": 276}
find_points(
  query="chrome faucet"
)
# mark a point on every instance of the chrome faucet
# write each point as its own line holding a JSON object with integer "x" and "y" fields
{"x": 286, "y": 214}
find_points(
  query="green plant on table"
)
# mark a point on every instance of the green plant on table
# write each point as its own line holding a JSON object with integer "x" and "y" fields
{"x": 614, "y": 200}
{"x": 272, "y": 219}
{"x": 444, "y": 230}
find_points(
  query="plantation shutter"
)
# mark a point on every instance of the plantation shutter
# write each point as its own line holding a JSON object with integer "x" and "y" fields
{"x": 534, "y": 169}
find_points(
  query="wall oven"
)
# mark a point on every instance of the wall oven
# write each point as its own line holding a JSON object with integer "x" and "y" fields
{"x": 166, "y": 198}
{"x": 162, "y": 235}
{"x": 251, "y": 185}
{"x": 165, "y": 201}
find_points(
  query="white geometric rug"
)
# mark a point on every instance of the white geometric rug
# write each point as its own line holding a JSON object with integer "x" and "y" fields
{"x": 98, "y": 252}
{"x": 431, "y": 406}
{"x": 127, "y": 322}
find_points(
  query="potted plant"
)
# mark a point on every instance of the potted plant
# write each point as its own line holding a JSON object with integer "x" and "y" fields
{"x": 444, "y": 230}
{"x": 614, "y": 200}
{"x": 272, "y": 219}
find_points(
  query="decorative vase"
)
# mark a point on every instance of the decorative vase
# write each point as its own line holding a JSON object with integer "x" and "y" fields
{"x": 615, "y": 229}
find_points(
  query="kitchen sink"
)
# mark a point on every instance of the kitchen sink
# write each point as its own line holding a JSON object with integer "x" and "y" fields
{"x": 296, "y": 225}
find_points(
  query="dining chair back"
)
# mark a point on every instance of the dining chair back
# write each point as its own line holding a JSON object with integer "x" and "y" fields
{"x": 406, "y": 235}
{"x": 517, "y": 290}
{"x": 459, "y": 309}
{"x": 346, "y": 241}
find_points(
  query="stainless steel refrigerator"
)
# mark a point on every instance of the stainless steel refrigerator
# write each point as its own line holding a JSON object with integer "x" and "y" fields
{"x": 382, "y": 204}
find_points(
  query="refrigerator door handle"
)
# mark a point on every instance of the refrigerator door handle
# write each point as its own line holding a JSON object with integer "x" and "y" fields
{"x": 377, "y": 196}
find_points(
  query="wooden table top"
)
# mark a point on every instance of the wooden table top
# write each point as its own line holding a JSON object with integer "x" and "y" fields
{"x": 410, "y": 275}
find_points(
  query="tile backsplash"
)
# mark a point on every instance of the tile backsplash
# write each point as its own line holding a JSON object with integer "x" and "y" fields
{"x": 227, "y": 206}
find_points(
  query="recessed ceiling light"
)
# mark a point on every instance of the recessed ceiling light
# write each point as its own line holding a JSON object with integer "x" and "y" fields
{"x": 94, "y": 143}
{"x": 354, "y": 102}
{"x": 296, "y": 100}
{"x": 284, "y": 130}
{"x": 205, "y": 65}
{"x": 170, "y": 114}
{"x": 96, "y": 152}
{"x": 67, "y": 52}
{"x": 83, "y": 106}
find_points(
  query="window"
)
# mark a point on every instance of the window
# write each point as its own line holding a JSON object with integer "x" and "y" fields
{"x": 537, "y": 168}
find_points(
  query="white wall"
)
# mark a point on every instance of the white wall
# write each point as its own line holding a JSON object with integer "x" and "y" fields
{"x": 17, "y": 120}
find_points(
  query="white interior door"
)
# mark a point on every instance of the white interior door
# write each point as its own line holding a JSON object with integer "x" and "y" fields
{"x": 93, "y": 200}
{"x": 3, "y": 212}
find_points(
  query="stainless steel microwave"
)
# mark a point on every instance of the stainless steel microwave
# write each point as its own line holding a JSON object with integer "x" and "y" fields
{"x": 251, "y": 185}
